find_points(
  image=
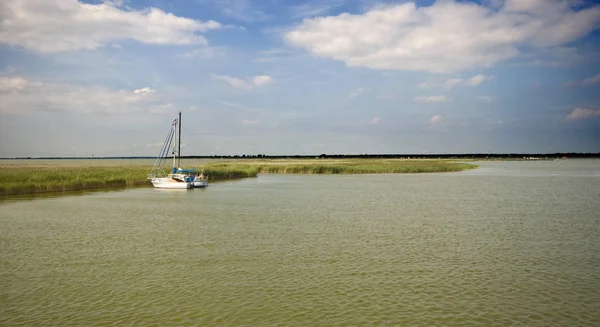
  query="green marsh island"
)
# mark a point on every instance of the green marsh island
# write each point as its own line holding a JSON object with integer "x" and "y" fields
{"x": 27, "y": 176}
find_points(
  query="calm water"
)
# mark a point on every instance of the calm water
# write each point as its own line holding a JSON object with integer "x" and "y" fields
{"x": 509, "y": 244}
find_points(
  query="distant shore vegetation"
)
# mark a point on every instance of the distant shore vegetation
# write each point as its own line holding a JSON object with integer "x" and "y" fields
{"x": 41, "y": 176}
{"x": 343, "y": 166}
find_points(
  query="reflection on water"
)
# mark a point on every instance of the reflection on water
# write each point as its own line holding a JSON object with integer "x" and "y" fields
{"x": 511, "y": 243}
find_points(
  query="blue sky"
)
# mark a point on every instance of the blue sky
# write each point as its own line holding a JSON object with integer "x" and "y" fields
{"x": 106, "y": 78}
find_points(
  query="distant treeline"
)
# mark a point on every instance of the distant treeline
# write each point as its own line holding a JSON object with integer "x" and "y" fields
{"x": 367, "y": 156}
{"x": 409, "y": 156}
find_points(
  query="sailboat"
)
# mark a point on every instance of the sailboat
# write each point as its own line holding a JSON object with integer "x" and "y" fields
{"x": 176, "y": 178}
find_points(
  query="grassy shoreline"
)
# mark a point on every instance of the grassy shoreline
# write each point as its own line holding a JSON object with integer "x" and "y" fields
{"x": 345, "y": 166}
{"x": 27, "y": 177}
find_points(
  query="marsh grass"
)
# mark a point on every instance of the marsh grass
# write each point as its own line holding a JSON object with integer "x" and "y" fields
{"x": 27, "y": 177}
{"x": 219, "y": 172}
{"x": 57, "y": 179}
{"x": 24, "y": 177}
{"x": 352, "y": 166}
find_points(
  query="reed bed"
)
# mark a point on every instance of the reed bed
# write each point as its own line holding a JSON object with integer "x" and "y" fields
{"x": 66, "y": 176}
{"x": 219, "y": 172}
{"x": 352, "y": 166}
{"x": 24, "y": 177}
{"x": 58, "y": 179}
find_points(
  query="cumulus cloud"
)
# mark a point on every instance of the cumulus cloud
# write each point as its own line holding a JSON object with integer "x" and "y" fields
{"x": 583, "y": 113}
{"x": 446, "y": 36}
{"x": 254, "y": 82}
{"x": 68, "y": 25}
{"x": 432, "y": 98}
{"x": 30, "y": 96}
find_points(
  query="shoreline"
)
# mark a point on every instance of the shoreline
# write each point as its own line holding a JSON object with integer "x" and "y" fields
{"x": 22, "y": 177}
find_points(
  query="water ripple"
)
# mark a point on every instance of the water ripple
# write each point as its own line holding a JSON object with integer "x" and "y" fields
{"x": 435, "y": 250}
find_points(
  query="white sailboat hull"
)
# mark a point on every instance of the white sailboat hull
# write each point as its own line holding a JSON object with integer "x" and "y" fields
{"x": 170, "y": 183}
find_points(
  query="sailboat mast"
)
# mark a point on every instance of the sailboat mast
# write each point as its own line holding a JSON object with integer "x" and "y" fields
{"x": 175, "y": 143}
{"x": 179, "y": 143}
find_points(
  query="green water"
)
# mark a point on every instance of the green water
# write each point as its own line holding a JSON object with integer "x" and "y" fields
{"x": 508, "y": 244}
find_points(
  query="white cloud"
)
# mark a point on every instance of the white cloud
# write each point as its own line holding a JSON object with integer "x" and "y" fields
{"x": 262, "y": 80}
{"x": 473, "y": 81}
{"x": 432, "y": 98}
{"x": 12, "y": 83}
{"x": 232, "y": 81}
{"x": 444, "y": 37}
{"x": 144, "y": 90}
{"x": 254, "y": 82}
{"x": 375, "y": 120}
{"x": 477, "y": 80}
{"x": 68, "y": 25}
{"x": 592, "y": 80}
{"x": 436, "y": 119}
{"x": 583, "y": 113}
{"x": 34, "y": 96}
